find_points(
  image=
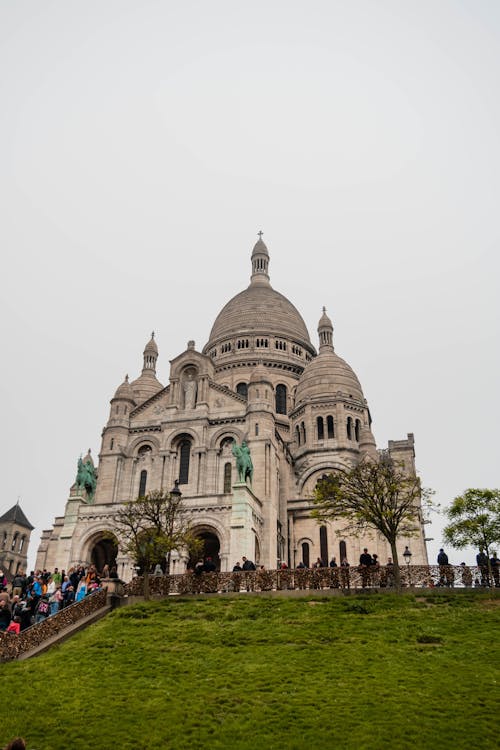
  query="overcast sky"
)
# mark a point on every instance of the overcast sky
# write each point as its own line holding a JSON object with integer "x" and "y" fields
{"x": 143, "y": 145}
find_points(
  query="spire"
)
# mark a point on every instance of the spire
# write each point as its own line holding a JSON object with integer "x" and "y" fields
{"x": 150, "y": 355}
{"x": 325, "y": 332}
{"x": 260, "y": 262}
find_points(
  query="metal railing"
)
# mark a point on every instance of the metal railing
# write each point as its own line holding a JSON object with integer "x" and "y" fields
{"x": 312, "y": 579}
{"x": 13, "y": 645}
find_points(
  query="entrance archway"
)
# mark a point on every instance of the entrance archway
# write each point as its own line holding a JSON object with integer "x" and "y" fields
{"x": 211, "y": 548}
{"x": 103, "y": 553}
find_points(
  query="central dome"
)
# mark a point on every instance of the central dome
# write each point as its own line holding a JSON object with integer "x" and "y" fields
{"x": 260, "y": 309}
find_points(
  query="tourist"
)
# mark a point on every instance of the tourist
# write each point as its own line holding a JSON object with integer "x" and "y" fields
{"x": 237, "y": 567}
{"x": 482, "y": 563}
{"x": 81, "y": 590}
{"x": 248, "y": 566}
{"x": 466, "y": 575}
{"x": 19, "y": 584}
{"x": 495, "y": 569}
{"x": 69, "y": 596}
{"x": 375, "y": 570}
{"x": 5, "y": 616}
{"x": 334, "y": 573}
{"x": 365, "y": 562}
{"x": 209, "y": 566}
{"x": 345, "y": 576}
{"x": 442, "y": 561}
{"x": 42, "y": 609}
{"x": 389, "y": 573}
{"x": 16, "y": 744}
{"x": 56, "y": 601}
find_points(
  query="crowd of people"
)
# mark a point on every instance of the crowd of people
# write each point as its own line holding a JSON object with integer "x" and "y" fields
{"x": 30, "y": 599}
{"x": 488, "y": 571}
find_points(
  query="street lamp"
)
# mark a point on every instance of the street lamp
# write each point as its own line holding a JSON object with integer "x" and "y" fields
{"x": 407, "y": 557}
{"x": 175, "y": 491}
{"x": 175, "y": 497}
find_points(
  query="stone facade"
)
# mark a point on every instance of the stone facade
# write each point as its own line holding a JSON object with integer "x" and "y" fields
{"x": 15, "y": 532}
{"x": 259, "y": 379}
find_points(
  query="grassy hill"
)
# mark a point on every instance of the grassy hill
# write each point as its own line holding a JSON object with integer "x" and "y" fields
{"x": 372, "y": 671}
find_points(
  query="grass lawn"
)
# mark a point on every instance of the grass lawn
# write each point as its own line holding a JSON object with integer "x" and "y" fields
{"x": 318, "y": 673}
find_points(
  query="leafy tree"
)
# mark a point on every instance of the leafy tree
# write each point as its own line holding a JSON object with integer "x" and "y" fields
{"x": 375, "y": 494}
{"x": 474, "y": 520}
{"x": 153, "y": 525}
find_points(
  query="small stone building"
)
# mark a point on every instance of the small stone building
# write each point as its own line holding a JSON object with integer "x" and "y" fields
{"x": 15, "y": 532}
{"x": 258, "y": 379}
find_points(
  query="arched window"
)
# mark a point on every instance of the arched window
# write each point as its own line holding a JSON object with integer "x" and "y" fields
{"x": 281, "y": 399}
{"x": 357, "y": 427}
{"x": 14, "y": 541}
{"x": 305, "y": 553}
{"x": 185, "y": 453}
{"x": 323, "y": 544}
{"x": 242, "y": 389}
{"x": 297, "y": 435}
{"x": 303, "y": 431}
{"x": 329, "y": 427}
{"x": 321, "y": 428}
{"x": 342, "y": 551}
{"x": 142, "y": 483}
{"x": 349, "y": 428}
{"x": 21, "y": 543}
{"x": 227, "y": 478}
{"x": 111, "y": 444}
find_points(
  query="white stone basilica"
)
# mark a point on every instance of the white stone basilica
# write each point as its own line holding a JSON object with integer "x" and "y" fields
{"x": 258, "y": 379}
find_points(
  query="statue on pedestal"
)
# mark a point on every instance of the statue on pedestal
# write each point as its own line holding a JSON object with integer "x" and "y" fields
{"x": 86, "y": 475}
{"x": 244, "y": 464}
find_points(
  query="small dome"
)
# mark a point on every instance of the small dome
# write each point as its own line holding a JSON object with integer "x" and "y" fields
{"x": 151, "y": 345}
{"x": 260, "y": 248}
{"x": 124, "y": 391}
{"x": 145, "y": 386}
{"x": 324, "y": 376}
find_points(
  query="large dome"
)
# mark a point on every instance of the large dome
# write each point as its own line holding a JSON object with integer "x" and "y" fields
{"x": 260, "y": 309}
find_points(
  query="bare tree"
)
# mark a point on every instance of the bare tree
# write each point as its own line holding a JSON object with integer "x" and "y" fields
{"x": 375, "y": 494}
{"x": 151, "y": 526}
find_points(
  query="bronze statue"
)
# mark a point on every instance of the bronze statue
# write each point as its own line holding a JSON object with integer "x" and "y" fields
{"x": 86, "y": 477}
{"x": 244, "y": 463}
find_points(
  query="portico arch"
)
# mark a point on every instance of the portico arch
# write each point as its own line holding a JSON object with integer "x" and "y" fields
{"x": 100, "y": 548}
{"x": 211, "y": 545}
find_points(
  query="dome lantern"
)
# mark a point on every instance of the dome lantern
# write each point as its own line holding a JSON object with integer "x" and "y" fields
{"x": 325, "y": 332}
{"x": 260, "y": 263}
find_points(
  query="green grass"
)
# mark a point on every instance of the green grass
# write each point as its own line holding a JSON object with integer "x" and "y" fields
{"x": 248, "y": 672}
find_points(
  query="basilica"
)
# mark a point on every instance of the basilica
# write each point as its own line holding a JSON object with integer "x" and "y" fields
{"x": 258, "y": 380}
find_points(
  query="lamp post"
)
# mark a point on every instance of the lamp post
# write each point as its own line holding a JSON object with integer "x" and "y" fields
{"x": 407, "y": 557}
{"x": 175, "y": 497}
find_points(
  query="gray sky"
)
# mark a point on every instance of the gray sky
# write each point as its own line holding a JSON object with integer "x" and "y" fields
{"x": 142, "y": 146}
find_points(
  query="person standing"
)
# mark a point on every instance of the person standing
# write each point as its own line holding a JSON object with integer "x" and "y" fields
{"x": 442, "y": 561}
{"x": 365, "y": 563}
{"x": 482, "y": 564}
